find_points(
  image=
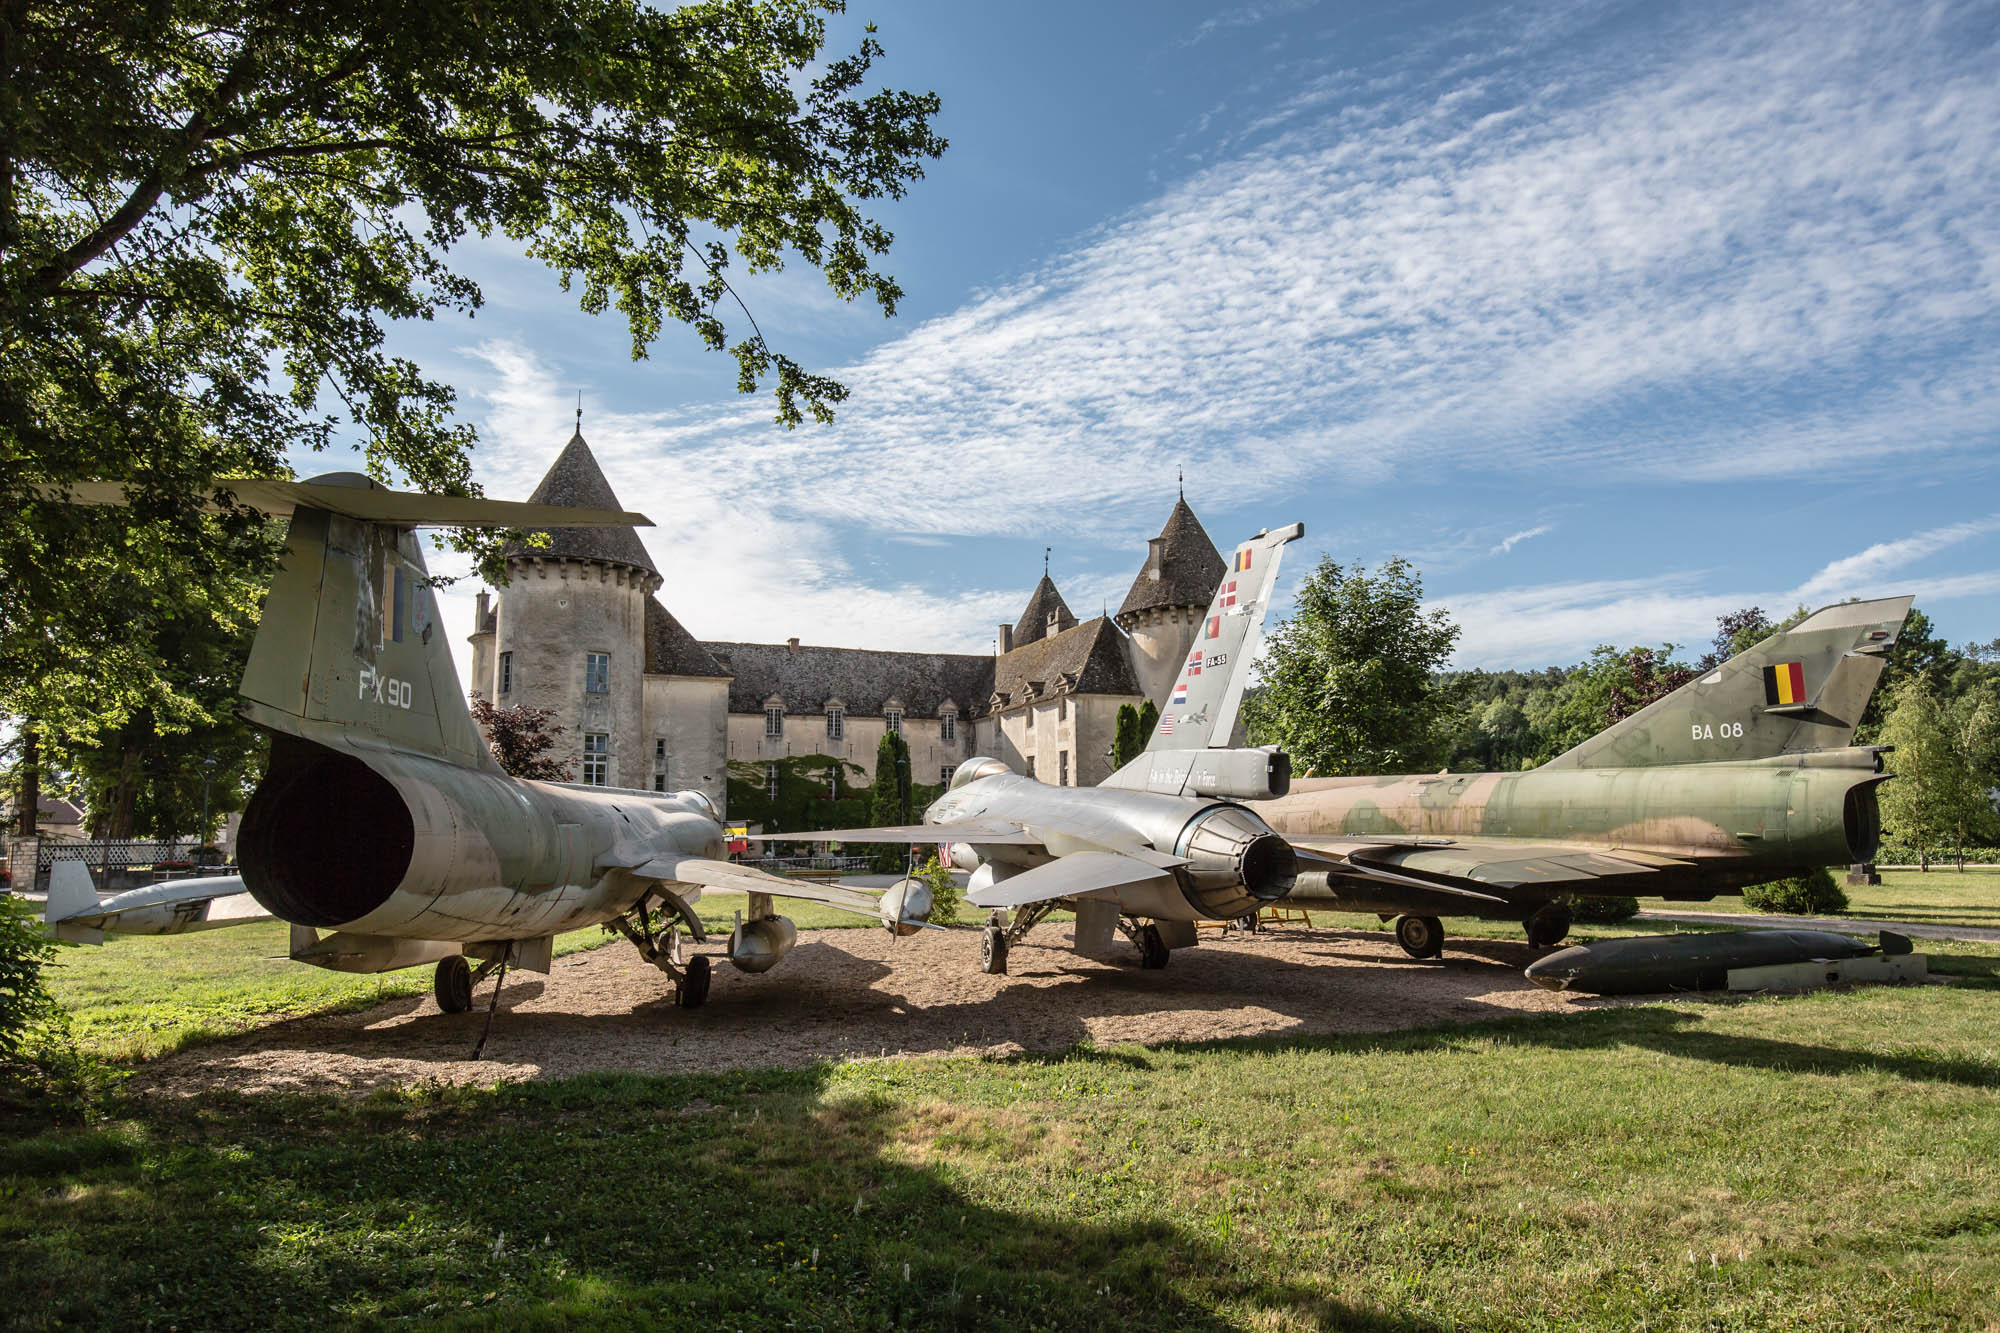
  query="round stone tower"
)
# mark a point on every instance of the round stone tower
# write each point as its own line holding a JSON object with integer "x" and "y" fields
{"x": 569, "y": 630}
{"x": 1164, "y": 609}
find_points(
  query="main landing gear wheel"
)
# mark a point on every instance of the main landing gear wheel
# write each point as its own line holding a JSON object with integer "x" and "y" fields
{"x": 691, "y": 990}
{"x": 993, "y": 951}
{"x": 453, "y": 984}
{"x": 1420, "y": 936}
{"x": 1153, "y": 951}
{"x": 1548, "y": 927}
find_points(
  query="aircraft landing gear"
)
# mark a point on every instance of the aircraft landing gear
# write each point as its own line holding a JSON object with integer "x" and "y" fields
{"x": 691, "y": 987}
{"x": 1153, "y": 951}
{"x": 993, "y": 951}
{"x": 1549, "y": 926}
{"x": 1420, "y": 936}
{"x": 452, "y": 984}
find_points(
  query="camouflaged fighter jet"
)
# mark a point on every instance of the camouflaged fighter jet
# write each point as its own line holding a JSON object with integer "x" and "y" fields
{"x": 382, "y": 819}
{"x": 1744, "y": 775}
{"x": 1164, "y": 842}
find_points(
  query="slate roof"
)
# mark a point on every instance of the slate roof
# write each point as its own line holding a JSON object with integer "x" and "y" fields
{"x": 1190, "y": 567}
{"x": 671, "y": 650}
{"x": 1086, "y": 659}
{"x": 575, "y": 479}
{"x": 1034, "y": 623}
{"x": 863, "y": 678}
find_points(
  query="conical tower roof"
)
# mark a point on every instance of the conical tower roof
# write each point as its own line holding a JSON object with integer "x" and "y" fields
{"x": 575, "y": 479}
{"x": 1182, "y": 567}
{"x": 1034, "y": 622}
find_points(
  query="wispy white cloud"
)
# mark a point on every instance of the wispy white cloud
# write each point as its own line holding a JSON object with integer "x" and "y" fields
{"x": 1865, "y": 570}
{"x": 1510, "y": 542}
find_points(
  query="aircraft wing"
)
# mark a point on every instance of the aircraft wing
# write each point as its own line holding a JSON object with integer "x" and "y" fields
{"x": 1075, "y": 875}
{"x": 729, "y": 877}
{"x": 1497, "y": 864}
{"x": 992, "y": 831}
{"x": 74, "y": 911}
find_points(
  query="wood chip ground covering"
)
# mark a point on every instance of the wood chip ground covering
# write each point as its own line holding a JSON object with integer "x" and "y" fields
{"x": 857, "y": 994}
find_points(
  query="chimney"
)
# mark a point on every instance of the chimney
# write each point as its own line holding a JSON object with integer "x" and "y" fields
{"x": 1055, "y": 624}
{"x": 791, "y": 645}
{"x": 1155, "y": 547}
{"x": 1006, "y": 639}
{"x": 479, "y": 612}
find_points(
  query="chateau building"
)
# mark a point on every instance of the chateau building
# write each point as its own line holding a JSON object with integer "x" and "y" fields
{"x": 580, "y": 630}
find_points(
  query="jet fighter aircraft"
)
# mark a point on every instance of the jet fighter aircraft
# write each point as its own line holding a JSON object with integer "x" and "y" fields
{"x": 384, "y": 831}
{"x": 1745, "y": 775}
{"x": 1165, "y": 841}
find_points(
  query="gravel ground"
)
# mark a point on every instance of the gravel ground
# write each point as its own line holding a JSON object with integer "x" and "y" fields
{"x": 856, "y": 994}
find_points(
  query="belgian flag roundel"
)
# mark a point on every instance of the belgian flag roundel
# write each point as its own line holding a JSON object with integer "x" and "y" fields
{"x": 1785, "y": 683}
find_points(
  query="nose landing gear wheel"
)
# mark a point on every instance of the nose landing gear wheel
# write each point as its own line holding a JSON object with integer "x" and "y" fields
{"x": 1420, "y": 936}
{"x": 993, "y": 951}
{"x": 1153, "y": 951}
{"x": 692, "y": 989}
{"x": 452, "y": 984}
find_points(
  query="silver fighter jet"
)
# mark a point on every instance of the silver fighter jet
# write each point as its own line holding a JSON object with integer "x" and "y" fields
{"x": 383, "y": 830}
{"x": 1164, "y": 842}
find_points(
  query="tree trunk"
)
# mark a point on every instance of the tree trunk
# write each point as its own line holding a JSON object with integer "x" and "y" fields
{"x": 31, "y": 781}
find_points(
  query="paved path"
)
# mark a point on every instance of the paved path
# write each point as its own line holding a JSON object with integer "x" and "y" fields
{"x": 1850, "y": 924}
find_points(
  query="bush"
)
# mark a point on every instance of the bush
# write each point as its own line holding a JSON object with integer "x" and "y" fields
{"x": 43, "y": 1076}
{"x": 1603, "y": 911}
{"x": 946, "y": 900}
{"x": 1811, "y": 894}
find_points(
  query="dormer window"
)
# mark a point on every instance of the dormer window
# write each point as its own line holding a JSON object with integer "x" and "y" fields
{"x": 836, "y": 720}
{"x": 774, "y": 719}
{"x": 948, "y": 726}
{"x": 894, "y": 718}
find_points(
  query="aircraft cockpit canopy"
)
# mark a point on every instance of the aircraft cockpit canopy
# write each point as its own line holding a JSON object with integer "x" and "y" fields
{"x": 975, "y": 768}
{"x": 700, "y": 801}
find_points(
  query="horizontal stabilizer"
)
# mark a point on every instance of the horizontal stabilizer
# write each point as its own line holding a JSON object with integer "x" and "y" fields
{"x": 352, "y": 495}
{"x": 1068, "y": 877}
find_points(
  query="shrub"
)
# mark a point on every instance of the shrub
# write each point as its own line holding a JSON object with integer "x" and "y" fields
{"x": 1811, "y": 894}
{"x": 43, "y": 1076}
{"x": 946, "y": 900}
{"x": 1603, "y": 911}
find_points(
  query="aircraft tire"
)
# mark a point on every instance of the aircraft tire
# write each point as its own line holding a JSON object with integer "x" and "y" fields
{"x": 1153, "y": 951}
{"x": 452, "y": 984}
{"x": 1420, "y": 936}
{"x": 691, "y": 991}
{"x": 1548, "y": 927}
{"x": 993, "y": 951}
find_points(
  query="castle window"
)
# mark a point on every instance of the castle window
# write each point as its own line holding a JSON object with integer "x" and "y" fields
{"x": 659, "y": 763}
{"x": 506, "y": 672}
{"x": 1031, "y": 765}
{"x": 895, "y": 720}
{"x": 596, "y": 759}
{"x": 944, "y": 775}
{"x": 596, "y": 673}
{"x": 836, "y": 722}
{"x": 774, "y": 723}
{"x": 948, "y": 727}
{"x": 771, "y": 781}
{"x": 1062, "y": 708}
{"x": 1062, "y": 761}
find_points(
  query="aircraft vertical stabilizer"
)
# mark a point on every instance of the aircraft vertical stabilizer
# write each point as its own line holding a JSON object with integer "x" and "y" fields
{"x": 1798, "y": 691}
{"x": 351, "y": 642}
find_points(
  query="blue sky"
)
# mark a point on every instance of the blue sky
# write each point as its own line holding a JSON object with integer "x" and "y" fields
{"x": 1612, "y": 317}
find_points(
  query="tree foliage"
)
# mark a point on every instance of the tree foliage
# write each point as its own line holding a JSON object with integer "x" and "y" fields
{"x": 889, "y": 798}
{"x": 1128, "y": 740}
{"x": 1350, "y": 681}
{"x": 521, "y": 738}
{"x": 1149, "y": 720}
{"x": 211, "y": 213}
{"x": 1939, "y": 800}
{"x": 814, "y": 791}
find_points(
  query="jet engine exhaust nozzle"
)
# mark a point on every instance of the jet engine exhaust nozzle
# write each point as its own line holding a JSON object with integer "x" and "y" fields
{"x": 1235, "y": 861}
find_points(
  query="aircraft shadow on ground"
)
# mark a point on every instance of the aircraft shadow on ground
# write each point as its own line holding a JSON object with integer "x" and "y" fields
{"x": 725, "y": 1168}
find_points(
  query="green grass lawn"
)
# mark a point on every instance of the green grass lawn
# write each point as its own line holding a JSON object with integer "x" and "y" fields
{"x": 1971, "y": 898}
{"x": 1824, "y": 1161}
{"x": 144, "y": 995}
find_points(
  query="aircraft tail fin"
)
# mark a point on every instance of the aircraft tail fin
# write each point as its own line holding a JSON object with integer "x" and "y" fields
{"x": 1801, "y": 690}
{"x": 1199, "y": 711}
{"x": 350, "y": 644}
{"x": 72, "y": 892}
